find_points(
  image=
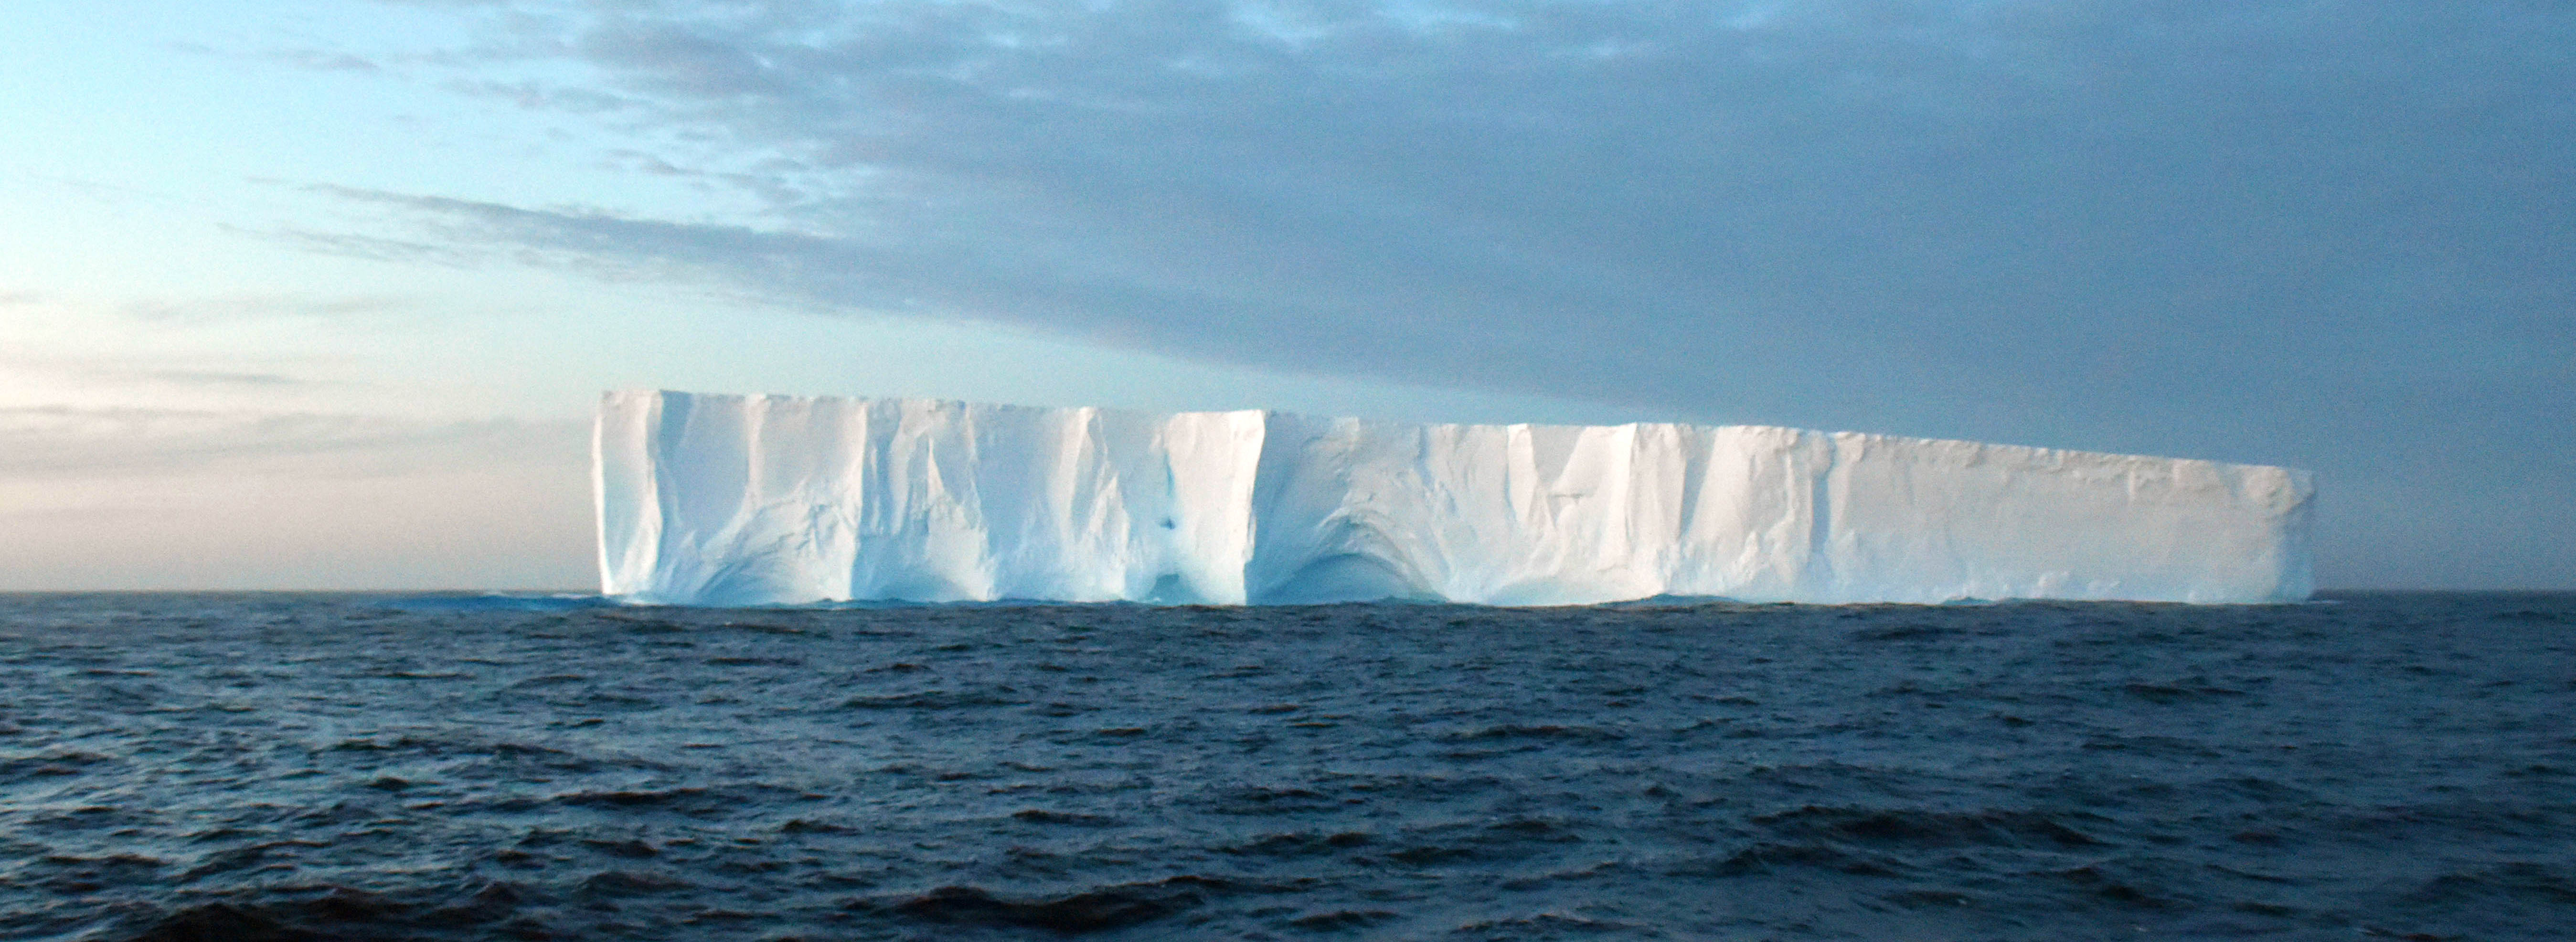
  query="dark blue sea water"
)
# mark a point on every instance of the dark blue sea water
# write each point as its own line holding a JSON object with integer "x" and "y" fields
{"x": 420, "y": 767}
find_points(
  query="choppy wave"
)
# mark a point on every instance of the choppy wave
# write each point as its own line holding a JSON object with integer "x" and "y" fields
{"x": 463, "y": 767}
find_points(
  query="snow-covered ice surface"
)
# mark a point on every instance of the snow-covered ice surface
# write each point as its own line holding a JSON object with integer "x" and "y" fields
{"x": 748, "y": 500}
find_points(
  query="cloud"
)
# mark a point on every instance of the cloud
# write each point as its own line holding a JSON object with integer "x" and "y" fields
{"x": 326, "y": 61}
{"x": 39, "y": 442}
{"x": 370, "y": 247}
{"x": 221, "y": 378}
{"x": 1940, "y": 217}
{"x": 251, "y": 306}
{"x": 95, "y": 374}
{"x": 2319, "y": 233}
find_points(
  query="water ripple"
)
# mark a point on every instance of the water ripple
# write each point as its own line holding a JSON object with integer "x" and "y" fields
{"x": 288, "y": 767}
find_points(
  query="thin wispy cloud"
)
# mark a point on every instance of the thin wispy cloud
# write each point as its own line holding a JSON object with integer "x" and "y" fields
{"x": 233, "y": 307}
{"x": 374, "y": 248}
{"x": 45, "y": 441}
{"x": 327, "y": 61}
{"x": 221, "y": 378}
{"x": 133, "y": 371}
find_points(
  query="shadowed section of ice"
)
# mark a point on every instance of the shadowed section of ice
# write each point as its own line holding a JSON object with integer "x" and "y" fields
{"x": 735, "y": 500}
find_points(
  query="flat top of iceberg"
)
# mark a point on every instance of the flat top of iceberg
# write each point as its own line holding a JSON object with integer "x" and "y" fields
{"x": 802, "y": 400}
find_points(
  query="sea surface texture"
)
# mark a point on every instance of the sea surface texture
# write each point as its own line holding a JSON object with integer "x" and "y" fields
{"x": 420, "y": 767}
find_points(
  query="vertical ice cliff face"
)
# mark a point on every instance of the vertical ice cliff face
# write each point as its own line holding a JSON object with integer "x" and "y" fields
{"x": 738, "y": 500}
{"x": 733, "y": 500}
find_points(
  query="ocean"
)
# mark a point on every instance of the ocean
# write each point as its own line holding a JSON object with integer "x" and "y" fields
{"x": 338, "y": 766}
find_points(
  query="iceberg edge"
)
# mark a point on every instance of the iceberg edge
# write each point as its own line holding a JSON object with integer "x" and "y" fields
{"x": 707, "y": 499}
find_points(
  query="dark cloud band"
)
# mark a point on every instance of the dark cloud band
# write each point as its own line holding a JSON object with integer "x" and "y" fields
{"x": 2277, "y": 232}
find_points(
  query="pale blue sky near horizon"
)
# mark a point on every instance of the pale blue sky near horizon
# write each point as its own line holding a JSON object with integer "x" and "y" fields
{"x": 320, "y": 294}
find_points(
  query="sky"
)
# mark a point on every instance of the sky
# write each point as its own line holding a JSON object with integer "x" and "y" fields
{"x": 322, "y": 294}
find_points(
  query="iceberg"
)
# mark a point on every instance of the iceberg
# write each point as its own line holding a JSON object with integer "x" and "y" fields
{"x": 768, "y": 500}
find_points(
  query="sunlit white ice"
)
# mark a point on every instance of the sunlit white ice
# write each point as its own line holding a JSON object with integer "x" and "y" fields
{"x": 745, "y": 500}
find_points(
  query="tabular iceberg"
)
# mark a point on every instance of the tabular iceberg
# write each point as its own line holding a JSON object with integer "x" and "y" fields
{"x": 752, "y": 500}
